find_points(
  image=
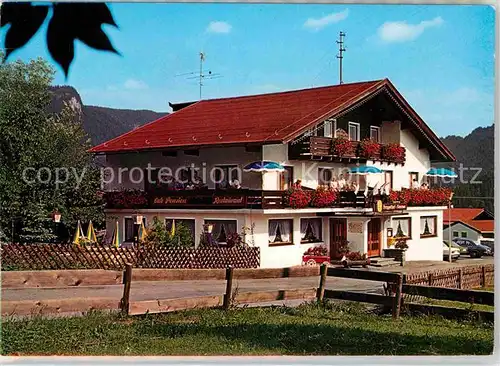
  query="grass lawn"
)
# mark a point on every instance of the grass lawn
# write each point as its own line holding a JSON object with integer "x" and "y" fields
{"x": 311, "y": 329}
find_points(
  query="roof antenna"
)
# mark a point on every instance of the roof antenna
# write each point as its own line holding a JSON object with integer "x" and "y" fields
{"x": 340, "y": 56}
{"x": 199, "y": 75}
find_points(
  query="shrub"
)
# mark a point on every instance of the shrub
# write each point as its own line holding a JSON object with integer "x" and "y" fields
{"x": 233, "y": 240}
{"x": 298, "y": 198}
{"x": 342, "y": 249}
{"x": 323, "y": 197}
{"x": 158, "y": 235}
{"x": 369, "y": 149}
{"x": 356, "y": 256}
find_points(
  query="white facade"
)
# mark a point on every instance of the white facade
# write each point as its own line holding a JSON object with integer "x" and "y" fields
{"x": 459, "y": 230}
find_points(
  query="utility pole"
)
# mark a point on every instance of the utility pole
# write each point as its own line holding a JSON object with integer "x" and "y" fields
{"x": 340, "y": 56}
{"x": 202, "y": 58}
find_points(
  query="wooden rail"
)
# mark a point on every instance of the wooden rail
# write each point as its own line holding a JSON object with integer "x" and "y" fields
{"x": 442, "y": 293}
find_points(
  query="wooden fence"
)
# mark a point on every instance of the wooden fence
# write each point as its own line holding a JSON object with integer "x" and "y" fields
{"x": 21, "y": 257}
{"x": 462, "y": 278}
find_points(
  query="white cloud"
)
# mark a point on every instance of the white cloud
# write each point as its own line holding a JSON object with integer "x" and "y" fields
{"x": 133, "y": 84}
{"x": 402, "y": 31}
{"x": 219, "y": 27}
{"x": 319, "y": 23}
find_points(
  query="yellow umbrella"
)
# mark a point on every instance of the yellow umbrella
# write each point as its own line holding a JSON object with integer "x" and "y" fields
{"x": 142, "y": 232}
{"x": 172, "y": 231}
{"x": 78, "y": 234}
{"x": 115, "y": 240}
{"x": 91, "y": 233}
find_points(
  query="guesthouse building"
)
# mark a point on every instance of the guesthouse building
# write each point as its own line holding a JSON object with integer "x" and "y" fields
{"x": 348, "y": 163}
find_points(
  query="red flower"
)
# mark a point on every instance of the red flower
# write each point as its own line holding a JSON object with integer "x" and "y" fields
{"x": 323, "y": 197}
{"x": 341, "y": 146}
{"x": 298, "y": 198}
{"x": 128, "y": 198}
{"x": 369, "y": 149}
{"x": 393, "y": 152}
{"x": 317, "y": 251}
{"x": 421, "y": 197}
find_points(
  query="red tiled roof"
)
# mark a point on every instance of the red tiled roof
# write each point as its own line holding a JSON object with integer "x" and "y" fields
{"x": 483, "y": 225}
{"x": 461, "y": 214}
{"x": 265, "y": 118}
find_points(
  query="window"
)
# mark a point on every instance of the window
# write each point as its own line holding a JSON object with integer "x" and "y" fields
{"x": 402, "y": 227}
{"x": 375, "y": 133}
{"x": 311, "y": 230}
{"x": 224, "y": 174}
{"x": 325, "y": 175}
{"x": 132, "y": 230}
{"x": 280, "y": 232}
{"x": 413, "y": 180}
{"x": 221, "y": 228}
{"x": 189, "y": 224}
{"x": 489, "y": 235}
{"x": 428, "y": 226}
{"x": 463, "y": 234}
{"x": 455, "y": 234}
{"x": 353, "y": 131}
{"x": 286, "y": 178}
{"x": 388, "y": 179}
{"x": 328, "y": 129}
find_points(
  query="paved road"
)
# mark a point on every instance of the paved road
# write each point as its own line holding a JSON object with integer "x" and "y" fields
{"x": 175, "y": 289}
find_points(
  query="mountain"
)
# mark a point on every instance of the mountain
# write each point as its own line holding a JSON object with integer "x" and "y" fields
{"x": 475, "y": 153}
{"x": 101, "y": 123}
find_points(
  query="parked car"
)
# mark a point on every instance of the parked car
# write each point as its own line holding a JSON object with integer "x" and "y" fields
{"x": 490, "y": 243}
{"x": 455, "y": 252}
{"x": 471, "y": 248}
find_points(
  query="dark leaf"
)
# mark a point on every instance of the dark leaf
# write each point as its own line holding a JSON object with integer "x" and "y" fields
{"x": 81, "y": 21}
{"x": 24, "y": 19}
{"x": 60, "y": 42}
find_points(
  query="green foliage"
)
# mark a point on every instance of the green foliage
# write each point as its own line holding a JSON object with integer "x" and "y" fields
{"x": 31, "y": 139}
{"x": 159, "y": 236}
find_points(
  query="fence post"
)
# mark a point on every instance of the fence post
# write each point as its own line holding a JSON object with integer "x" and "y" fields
{"x": 396, "y": 307}
{"x": 483, "y": 276}
{"x": 127, "y": 280}
{"x": 229, "y": 286}
{"x": 430, "y": 279}
{"x": 460, "y": 278}
{"x": 322, "y": 282}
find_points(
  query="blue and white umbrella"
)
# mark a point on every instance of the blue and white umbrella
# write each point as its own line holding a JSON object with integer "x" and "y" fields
{"x": 365, "y": 170}
{"x": 264, "y": 166}
{"x": 441, "y": 172}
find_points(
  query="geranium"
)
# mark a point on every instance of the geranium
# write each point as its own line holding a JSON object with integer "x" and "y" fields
{"x": 323, "y": 197}
{"x": 342, "y": 146}
{"x": 369, "y": 149}
{"x": 393, "y": 152}
{"x": 356, "y": 256}
{"x": 127, "y": 198}
{"x": 298, "y": 198}
{"x": 317, "y": 251}
{"x": 422, "y": 197}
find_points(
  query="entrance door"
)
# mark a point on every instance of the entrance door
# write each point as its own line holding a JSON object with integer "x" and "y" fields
{"x": 338, "y": 234}
{"x": 374, "y": 237}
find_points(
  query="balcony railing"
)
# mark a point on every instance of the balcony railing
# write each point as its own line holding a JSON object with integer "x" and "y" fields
{"x": 325, "y": 148}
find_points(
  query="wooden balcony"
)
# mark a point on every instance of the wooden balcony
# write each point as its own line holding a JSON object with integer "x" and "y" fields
{"x": 320, "y": 148}
{"x": 217, "y": 199}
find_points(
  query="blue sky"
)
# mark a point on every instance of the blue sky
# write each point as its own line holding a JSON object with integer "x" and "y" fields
{"x": 440, "y": 57}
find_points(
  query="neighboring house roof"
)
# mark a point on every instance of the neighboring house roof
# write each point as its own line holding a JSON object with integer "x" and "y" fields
{"x": 461, "y": 214}
{"x": 481, "y": 226}
{"x": 265, "y": 118}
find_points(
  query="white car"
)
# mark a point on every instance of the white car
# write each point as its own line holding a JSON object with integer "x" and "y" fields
{"x": 455, "y": 252}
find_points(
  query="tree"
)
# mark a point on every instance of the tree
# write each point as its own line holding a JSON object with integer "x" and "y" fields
{"x": 69, "y": 22}
{"x": 33, "y": 146}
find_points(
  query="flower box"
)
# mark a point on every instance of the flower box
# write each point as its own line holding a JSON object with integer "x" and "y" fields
{"x": 369, "y": 149}
{"x": 422, "y": 197}
{"x": 312, "y": 260}
{"x": 393, "y": 153}
{"x": 343, "y": 147}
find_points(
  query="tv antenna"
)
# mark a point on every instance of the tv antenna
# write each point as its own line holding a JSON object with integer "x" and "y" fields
{"x": 200, "y": 75}
{"x": 340, "y": 56}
